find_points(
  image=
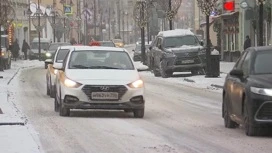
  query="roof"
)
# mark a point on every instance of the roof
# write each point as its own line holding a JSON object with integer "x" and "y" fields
{"x": 95, "y": 48}
{"x": 262, "y": 48}
{"x": 176, "y": 32}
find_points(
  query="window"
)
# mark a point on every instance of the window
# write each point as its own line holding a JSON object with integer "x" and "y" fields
{"x": 189, "y": 40}
{"x": 238, "y": 64}
{"x": 62, "y": 53}
{"x": 159, "y": 42}
{"x": 263, "y": 62}
{"x": 100, "y": 60}
{"x": 54, "y": 47}
{"x": 35, "y": 45}
{"x": 246, "y": 64}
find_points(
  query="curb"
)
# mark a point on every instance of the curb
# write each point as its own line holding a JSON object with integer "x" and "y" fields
{"x": 217, "y": 86}
{"x": 15, "y": 123}
{"x": 13, "y": 76}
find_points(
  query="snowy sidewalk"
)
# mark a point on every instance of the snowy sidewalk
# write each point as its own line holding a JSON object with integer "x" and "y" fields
{"x": 15, "y": 135}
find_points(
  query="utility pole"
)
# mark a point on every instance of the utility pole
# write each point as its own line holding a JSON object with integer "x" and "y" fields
{"x": 119, "y": 17}
{"x": 170, "y": 21}
{"x": 123, "y": 24}
{"x": 94, "y": 18}
{"x": 127, "y": 29}
{"x": 86, "y": 22}
{"x": 54, "y": 20}
{"x": 109, "y": 21}
{"x": 261, "y": 24}
{"x": 1, "y": 61}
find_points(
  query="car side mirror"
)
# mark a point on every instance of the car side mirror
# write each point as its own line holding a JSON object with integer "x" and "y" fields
{"x": 201, "y": 43}
{"x": 237, "y": 73}
{"x": 58, "y": 66}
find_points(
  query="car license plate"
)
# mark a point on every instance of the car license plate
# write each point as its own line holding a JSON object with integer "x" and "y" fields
{"x": 187, "y": 61}
{"x": 105, "y": 95}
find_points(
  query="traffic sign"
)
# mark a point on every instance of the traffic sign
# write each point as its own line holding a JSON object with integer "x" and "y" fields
{"x": 68, "y": 9}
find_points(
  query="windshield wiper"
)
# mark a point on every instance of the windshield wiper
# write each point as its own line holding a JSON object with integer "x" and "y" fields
{"x": 80, "y": 66}
{"x": 102, "y": 67}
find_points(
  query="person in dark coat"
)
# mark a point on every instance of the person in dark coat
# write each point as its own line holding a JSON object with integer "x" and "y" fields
{"x": 15, "y": 49}
{"x": 25, "y": 47}
{"x": 73, "y": 41}
{"x": 247, "y": 43}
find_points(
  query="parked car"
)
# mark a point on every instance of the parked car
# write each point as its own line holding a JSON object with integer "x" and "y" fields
{"x": 107, "y": 43}
{"x": 58, "y": 58}
{"x": 118, "y": 43}
{"x": 5, "y": 53}
{"x": 99, "y": 78}
{"x": 177, "y": 51}
{"x": 247, "y": 94}
{"x": 137, "y": 53}
{"x": 50, "y": 53}
{"x": 34, "y": 48}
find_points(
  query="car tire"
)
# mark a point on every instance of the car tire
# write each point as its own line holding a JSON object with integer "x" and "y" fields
{"x": 56, "y": 104}
{"x": 63, "y": 111}
{"x": 227, "y": 120}
{"x": 52, "y": 94}
{"x": 250, "y": 129}
{"x": 47, "y": 88}
{"x": 164, "y": 73}
{"x": 138, "y": 113}
{"x": 194, "y": 72}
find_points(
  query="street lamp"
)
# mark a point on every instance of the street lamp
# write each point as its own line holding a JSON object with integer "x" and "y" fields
{"x": 141, "y": 16}
{"x": 171, "y": 7}
{"x": 207, "y": 6}
{"x": 39, "y": 21}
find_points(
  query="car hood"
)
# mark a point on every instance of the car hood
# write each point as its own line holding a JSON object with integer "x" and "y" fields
{"x": 264, "y": 80}
{"x": 185, "y": 49}
{"x": 37, "y": 51}
{"x": 102, "y": 76}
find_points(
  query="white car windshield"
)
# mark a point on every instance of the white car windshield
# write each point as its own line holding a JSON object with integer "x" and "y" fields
{"x": 100, "y": 60}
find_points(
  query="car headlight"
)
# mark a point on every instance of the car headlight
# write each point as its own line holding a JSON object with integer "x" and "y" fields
{"x": 48, "y": 54}
{"x": 136, "y": 84}
{"x": 71, "y": 84}
{"x": 3, "y": 54}
{"x": 55, "y": 71}
{"x": 261, "y": 91}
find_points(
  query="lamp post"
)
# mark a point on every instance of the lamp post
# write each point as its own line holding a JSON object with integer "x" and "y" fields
{"x": 207, "y": 7}
{"x": 39, "y": 21}
{"x": 171, "y": 7}
{"x": 141, "y": 16}
{"x": 261, "y": 17}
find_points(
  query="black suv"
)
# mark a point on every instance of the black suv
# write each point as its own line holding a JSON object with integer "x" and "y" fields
{"x": 177, "y": 51}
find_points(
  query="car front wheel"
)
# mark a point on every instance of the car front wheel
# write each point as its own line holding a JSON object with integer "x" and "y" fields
{"x": 63, "y": 110}
{"x": 227, "y": 120}
{"x": 250, "y": 128}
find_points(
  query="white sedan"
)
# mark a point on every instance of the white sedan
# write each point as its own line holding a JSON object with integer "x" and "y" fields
{"x": 99, "y": 78}
{"x": 58, "y": 58}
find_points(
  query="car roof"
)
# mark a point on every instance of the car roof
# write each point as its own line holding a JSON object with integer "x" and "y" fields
{"x": 176, "y": 32}
{"x": 100, "y": 48}
{"x": 262, "y": 48}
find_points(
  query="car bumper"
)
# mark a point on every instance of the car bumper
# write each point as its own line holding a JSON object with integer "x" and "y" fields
{"x": 261, "y": 109}
{"x": 77, "y": 98}
{"x": 181, "y": 68}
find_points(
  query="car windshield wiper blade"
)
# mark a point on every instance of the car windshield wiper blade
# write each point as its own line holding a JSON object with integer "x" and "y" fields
{"x": 80, "y": 66}
{"x": 102, "y": 67}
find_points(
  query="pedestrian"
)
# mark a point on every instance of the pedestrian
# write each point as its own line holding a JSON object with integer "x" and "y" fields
{"x": 25, "y": 48}
{"x": 247, "y": 43}
{"x": 73, "y": 41}
{"x": 15, "y": 50}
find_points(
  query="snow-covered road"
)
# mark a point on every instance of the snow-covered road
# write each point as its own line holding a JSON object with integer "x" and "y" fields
{"x": 178, "y": 119}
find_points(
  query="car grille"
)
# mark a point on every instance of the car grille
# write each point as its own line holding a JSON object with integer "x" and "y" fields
{"x": 265, "y": 113}
{"x": 88, "y": 89}
{"x": 181, "y": 57}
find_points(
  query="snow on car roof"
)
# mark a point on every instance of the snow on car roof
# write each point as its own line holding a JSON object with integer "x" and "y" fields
{"x": 100, "y": 48}
{"x": 176, "y": 32}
